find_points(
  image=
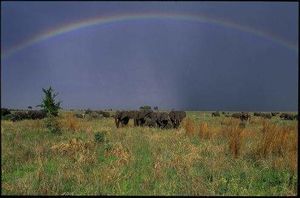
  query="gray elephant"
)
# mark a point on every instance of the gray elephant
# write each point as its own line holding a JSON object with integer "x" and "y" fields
{"x": 242, "y": 116}
{"x": 164, "y": 121}
{"x": 151, "y": 119}
{"x": 245, "y": 116}
{"x": 215, "y": 114}
{"x": 176, "y": 117}
{"x": 121, "y": 117}
{"x": 287, "y": 116}
{"x": 142, "y": 116}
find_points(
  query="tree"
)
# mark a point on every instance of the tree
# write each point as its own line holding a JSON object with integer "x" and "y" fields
{"x": 145, "y": 107}
{"x": 48, "y": 104}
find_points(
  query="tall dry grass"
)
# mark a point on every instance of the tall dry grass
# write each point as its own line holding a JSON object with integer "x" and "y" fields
{"x": 204, "y": 131}
{"x": 280, "y": 143}
{"x": 189, "y": 127}
{"x": 233, "y": 130}
{"x": 70, "y": 123}
{"x": 277, "y": 140}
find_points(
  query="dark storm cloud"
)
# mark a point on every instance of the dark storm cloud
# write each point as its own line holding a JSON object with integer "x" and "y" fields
{"x": 171, "y": 64}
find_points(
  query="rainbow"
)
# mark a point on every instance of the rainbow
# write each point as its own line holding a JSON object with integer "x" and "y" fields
{"x": 144, "y": 16}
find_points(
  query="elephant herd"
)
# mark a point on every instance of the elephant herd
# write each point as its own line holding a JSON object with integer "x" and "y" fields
{"x": 244, "y": 116}
{"x": 150, "y": 118}
{"x": 22, "y": 115}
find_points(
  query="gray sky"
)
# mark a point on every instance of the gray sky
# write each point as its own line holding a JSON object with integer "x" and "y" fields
{"x": 164, "y": 62}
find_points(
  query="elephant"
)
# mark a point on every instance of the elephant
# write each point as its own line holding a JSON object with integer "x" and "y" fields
{"x": 266, "y": 115}
{"x": 274, "y": 113}
{"x": 103, "y": 113}
{"x": 176, "y": 117}
{"x": 287, "y": 116}
{"x": 236, "y": 115}
{"x": 121, "y": 117}
{"x": 215, "y": 114}
{"x": 257, "y": 114}
{"x": 164, "y": 121}
{"x": 245, "y": 116}
{"x": 151, "y": 119}
{"x": 141, "y": 116}
{"x": 296, "y": 117}
{"x": 19, "y": 115}
{"x": 36, "y": 114}
{"x": 242, "y": 116}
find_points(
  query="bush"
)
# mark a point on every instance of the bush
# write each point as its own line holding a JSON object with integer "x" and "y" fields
{"x": 99, "y": 137}
{"x": 108, "y": 146}
{"x": 146, "y": 107}
{"x": 52, "y": 125}
{"x": 105, "y": 114}
{"x": 88, "y": 111}
{"x": 7, "y": 117}
{"x": 5, "y": 112}
{"x": 48, "y": 104}
{"x": 77, "y": 115}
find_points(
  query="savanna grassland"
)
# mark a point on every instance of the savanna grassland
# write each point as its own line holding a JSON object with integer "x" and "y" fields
{"x": 204, "y": 156}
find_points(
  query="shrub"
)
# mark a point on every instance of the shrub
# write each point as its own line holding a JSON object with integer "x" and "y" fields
{"x": 77, "y": 115}
{"x": 53, "y": 125}
{"x": 108, "y": 146}
{"x": 99, "y": 137}
{"x": 88, "y": 111}
{"x": 48, "y": 104}
{"x": 7, "y": 117}
{"x": 5, "y": 112}
{"x": 146, "y": 107}
{"x": 105, "y": 114}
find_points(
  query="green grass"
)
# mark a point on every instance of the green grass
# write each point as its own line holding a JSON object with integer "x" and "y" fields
{"x": 138, "y": 161}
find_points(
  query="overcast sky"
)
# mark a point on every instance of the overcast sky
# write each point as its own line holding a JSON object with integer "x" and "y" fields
{"x": 169, "y": 63}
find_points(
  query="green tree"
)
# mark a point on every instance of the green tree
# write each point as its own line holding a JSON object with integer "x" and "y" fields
{"x": 48, "y": 104}
{"x": 145, "y": 107}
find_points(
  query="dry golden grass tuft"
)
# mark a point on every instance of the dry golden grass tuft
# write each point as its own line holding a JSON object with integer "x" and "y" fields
{"x": 203, "y": 131}
{"x": 208, "y": 132}
{"x": 77, "y": 150}
{"x": 189, "y": 126}
{"x": 233, "y": 131}
{"x": 33, "y": 124}
{"x": 120, "y": 152}
{"x": 70, "y": 123}
{"x": 274, "y": 140}
{"x": 278, "y": 144}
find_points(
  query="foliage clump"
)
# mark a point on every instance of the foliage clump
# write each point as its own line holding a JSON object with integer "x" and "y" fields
{"x": 48, "y": 103}
{"x": 99, "y": 137}
{"x": 52, "y": 125}
{"x": 146, "y": 107}
{"x": 50, "y": 107}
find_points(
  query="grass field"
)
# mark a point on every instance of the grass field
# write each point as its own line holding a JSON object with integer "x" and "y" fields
{"x": 205, "y": 156}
